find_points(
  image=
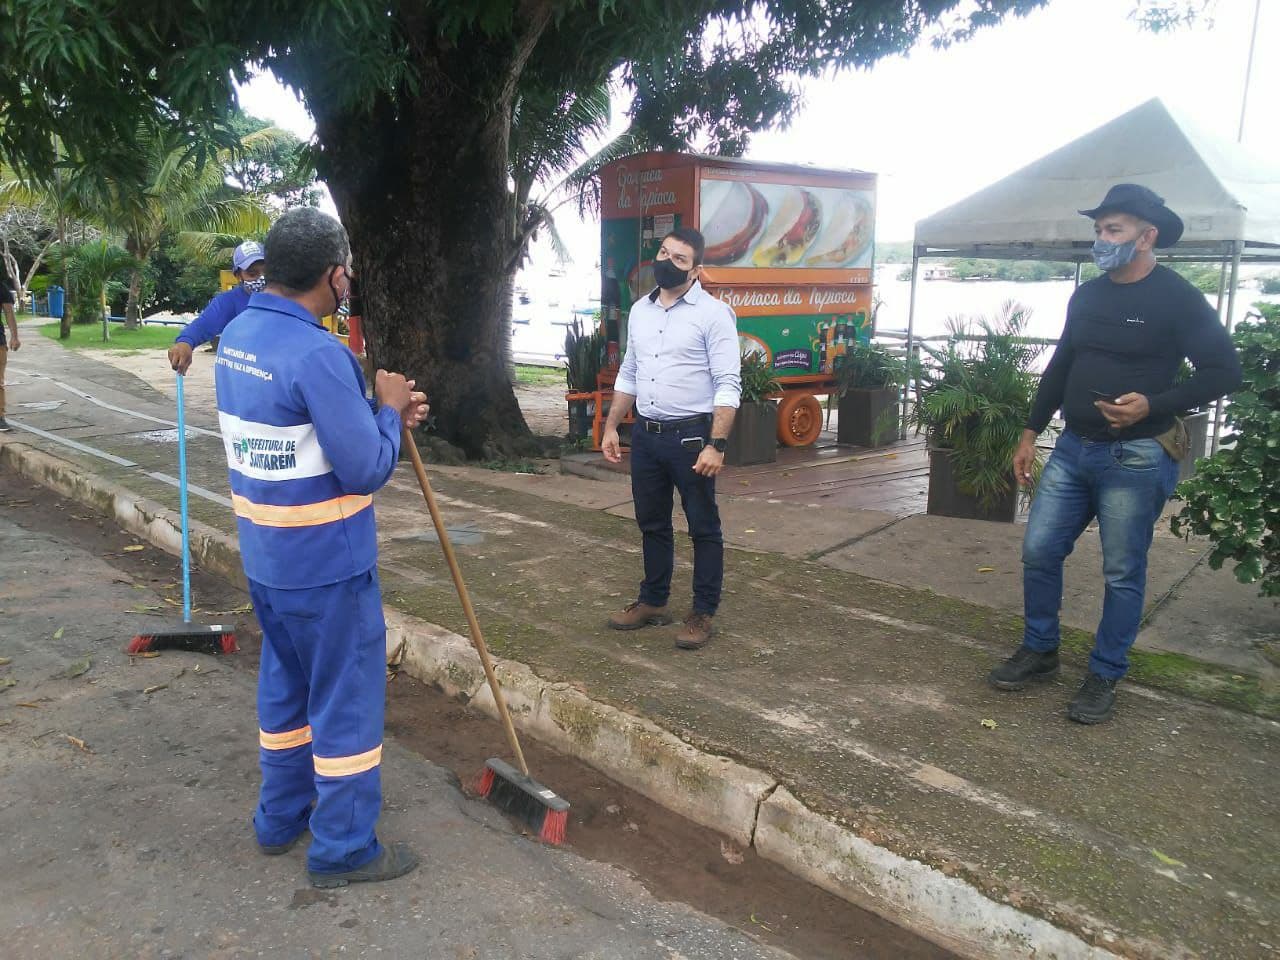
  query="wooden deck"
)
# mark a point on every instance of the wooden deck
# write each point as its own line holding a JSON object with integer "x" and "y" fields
{"x": 893, "y": 479}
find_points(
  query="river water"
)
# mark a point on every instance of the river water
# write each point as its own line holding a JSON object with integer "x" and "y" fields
{"x": 539, "y": 330}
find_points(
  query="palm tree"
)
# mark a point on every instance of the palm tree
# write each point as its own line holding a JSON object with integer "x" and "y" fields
{"x": 178, "y": 195}
{"x": 90, "y": 268}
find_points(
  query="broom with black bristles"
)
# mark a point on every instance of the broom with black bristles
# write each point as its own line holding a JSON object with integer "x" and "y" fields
{"x": 200, "y": 638}
{"x": 511, "y": 790}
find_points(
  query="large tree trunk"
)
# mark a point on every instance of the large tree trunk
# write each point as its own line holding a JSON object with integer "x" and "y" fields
{"x": 429, "y": 231}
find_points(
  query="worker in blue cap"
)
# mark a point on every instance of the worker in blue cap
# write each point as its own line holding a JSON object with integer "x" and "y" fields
{"x": 249, "y": 263}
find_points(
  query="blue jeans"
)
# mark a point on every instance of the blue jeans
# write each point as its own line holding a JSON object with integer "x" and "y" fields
{"x": 659, "y": 466}
{"x": 1125, "y": 484}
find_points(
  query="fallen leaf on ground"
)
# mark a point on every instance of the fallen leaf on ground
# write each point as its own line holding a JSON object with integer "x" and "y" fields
{"x": 986, "y": 569}
{"x": 5, "y": 661}
{"x": 29, "y": 706}
{"x": 989, "y": 724}
{"x": 78, "y": 742}
{"x": 80, "y": 666}
{"x": 6, "y": 682}
{"x": 1167, "y": 860}
{"x": 761, "y": 923}
{"x": 172, "y": 602}
{"x": 57, "y": 634}
{"x": 153, "y": 689}
{"x": 134, "y": 548}
{"x": 146, "y": 654}
{"x": 749, "y": 530}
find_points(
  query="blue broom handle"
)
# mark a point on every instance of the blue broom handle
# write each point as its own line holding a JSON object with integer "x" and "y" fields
{"x": 182, "y": 500}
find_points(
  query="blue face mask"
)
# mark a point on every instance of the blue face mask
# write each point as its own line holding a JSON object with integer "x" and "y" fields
{"x": 254, "y": 286}
{"x": 1113, "y": 256}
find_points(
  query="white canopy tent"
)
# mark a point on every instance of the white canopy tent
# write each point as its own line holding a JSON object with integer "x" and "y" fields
{"x": 1228, "y": 199}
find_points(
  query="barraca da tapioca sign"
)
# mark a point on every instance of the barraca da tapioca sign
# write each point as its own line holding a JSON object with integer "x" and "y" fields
{"x": 789, "y": 247}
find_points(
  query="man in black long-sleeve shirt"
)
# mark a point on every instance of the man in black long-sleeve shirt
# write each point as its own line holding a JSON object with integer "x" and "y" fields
{"x": 1112, "y": 376}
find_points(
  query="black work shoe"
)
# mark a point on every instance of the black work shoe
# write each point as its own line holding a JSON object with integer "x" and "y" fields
{"x": 1024, "y": 667}
{"x": 1095, "y": 700}
{"x": 394, "y": 861}
{"x": 277, "y": 849}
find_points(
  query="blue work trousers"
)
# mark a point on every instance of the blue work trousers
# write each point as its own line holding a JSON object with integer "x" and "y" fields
{"x": 321, "y": 699}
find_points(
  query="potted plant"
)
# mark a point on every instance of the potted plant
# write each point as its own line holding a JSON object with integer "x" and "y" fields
{"x": 972, "y": 408}
{"x": 1233, "y": 497}
{"x": 754, "y": 438}
{"x": 869, "y": 381}
{"x": 583, "y": 354}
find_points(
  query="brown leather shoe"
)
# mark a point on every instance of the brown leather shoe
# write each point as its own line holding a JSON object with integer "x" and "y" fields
{"x": 637, "y": 615}
{"x": 696, "y": 631}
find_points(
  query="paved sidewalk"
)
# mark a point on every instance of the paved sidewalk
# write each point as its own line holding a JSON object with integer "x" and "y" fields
{"x": 864, "y": 699}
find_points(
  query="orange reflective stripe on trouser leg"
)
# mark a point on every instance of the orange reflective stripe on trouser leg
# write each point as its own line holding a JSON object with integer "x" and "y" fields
{"x": 348, "y": 766}
{"x": 286, "y": 740}
{"x": 302, "y": 515}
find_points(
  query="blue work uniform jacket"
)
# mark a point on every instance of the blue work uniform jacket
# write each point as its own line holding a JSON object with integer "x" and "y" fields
{"x": 305, "y": 447}
{"x": 214, "y": 318}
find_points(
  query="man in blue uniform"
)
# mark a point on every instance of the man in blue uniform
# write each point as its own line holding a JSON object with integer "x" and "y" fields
{"x": 249, "y": 268}
{"x": 306, "y": 450}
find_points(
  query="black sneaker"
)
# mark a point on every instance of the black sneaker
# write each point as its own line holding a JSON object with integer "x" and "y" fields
{"x": 1095, "y": 699}
{"x": 4, "y": 425}
{"x": 394, "y": 861}
{"x": 1024, "y": 667}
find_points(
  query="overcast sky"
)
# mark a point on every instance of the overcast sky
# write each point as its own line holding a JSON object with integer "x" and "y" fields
{"x": 939, "y": 125}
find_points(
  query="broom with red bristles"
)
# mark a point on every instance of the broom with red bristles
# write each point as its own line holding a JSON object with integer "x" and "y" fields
{"x": 201, "y": 638}
{"x": 509, "y": 789}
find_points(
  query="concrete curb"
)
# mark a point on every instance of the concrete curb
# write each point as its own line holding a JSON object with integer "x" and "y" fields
{"x": 745, "y": 804}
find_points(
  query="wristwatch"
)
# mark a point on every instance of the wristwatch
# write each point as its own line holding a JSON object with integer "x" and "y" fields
{"x": 718, "y": 442}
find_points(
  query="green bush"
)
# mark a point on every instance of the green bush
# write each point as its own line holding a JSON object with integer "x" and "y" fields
{"x": 758, "y": 378}
{"x": 1234, "y": 497}
{"x": 976, "y": 401}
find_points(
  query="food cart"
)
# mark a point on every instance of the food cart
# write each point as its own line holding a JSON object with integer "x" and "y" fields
{"x": 789, "y": 247}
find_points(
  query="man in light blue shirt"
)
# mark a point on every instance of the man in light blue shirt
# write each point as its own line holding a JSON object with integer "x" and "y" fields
{"x": 682, "y": 374}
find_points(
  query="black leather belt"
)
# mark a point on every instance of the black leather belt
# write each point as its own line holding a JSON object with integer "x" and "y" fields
{"x": 658, "y": 426}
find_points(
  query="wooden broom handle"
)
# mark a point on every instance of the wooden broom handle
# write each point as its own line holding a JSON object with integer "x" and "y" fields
{"x": 477, "y": 638}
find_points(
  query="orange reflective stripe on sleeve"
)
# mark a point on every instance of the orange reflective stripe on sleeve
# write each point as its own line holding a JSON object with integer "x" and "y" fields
{"x": 286, "y": 740}
{"x": 348, "y": 766}
{"x": 302, "y": 515}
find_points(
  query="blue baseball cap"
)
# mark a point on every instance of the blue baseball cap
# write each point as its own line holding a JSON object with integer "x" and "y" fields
{"x": 247, "y": 254}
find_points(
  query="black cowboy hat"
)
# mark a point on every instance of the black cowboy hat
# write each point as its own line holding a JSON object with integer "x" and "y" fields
{"x": 1144, "y": 204}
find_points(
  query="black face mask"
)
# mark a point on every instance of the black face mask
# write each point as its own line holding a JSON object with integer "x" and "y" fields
{"x": 668, "y": 276}
{"x": 337, "y": 300}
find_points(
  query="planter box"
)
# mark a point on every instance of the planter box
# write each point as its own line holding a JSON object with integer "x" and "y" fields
{"x": 581, "y": 418}
{"x": 754, "y": 438}
{"x": 1198, "y": 430}
{"x": 868, "y": 418}
{"x": 947, "y": 500}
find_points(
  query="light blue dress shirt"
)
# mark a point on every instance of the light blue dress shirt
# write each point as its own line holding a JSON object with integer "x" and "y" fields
{"x": 681, "y": 360}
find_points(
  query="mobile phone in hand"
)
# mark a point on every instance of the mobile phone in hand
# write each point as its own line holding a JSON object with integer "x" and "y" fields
{"x": 1099, "y": 395}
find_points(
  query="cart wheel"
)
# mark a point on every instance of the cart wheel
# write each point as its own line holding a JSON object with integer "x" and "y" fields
{"x": 799, "y": 419}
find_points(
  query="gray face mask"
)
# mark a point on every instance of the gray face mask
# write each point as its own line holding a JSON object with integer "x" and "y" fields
{"x": 1113, "y": 256}
{"x": 254, "y": 286}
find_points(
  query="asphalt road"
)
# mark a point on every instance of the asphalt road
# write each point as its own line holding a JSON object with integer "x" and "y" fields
{"x": 127, "y": 811}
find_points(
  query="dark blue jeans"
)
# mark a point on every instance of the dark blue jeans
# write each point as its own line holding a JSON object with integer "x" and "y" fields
{"x": 1125, "y": 484}
{"x": 659, "y": 466}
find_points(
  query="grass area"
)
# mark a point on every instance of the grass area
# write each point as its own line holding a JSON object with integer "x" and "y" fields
{"x": 88, "y": 336}
{"x": 539, "y": 376}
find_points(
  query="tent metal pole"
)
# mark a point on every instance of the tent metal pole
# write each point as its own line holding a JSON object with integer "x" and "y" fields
{"x": 911, "y": 329}
{"x": 1236, "y": 247}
